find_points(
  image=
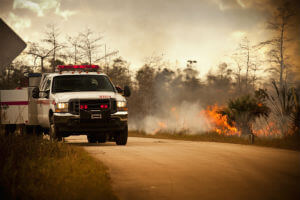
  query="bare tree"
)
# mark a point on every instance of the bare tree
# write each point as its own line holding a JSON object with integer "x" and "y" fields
{"x": 52, "y": 35}
{"x": 245, "y": 48}
{"x": 279, "y": 24}
{"x": 108, "y": 55}
{"x": 89, "y": 45}
{"x": 74, "y": 42}
{"x": 39, "y": 52}
{"x": 238, "y": 71}
{"x": 246, "y": 59}
{"x": 255, "y": 67}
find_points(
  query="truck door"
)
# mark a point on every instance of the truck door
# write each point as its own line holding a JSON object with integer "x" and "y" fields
{"x": 39, "y": 101}
{"x": 44, "y": 103}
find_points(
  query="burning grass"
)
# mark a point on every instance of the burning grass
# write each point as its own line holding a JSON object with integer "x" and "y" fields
{"x": 193, "y": 119}
{"x": 33, "y": 168}
{"x": 287, "y": 142}
{"x": 221, "y": 130}
{"x": 208, "y": 136}
{"x": 220, "y": 122}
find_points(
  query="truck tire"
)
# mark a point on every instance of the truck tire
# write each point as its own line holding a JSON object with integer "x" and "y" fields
{"x": 10, "y": 129}
{"x": 121, "y": 136}
{"x": 6, "y": 130}
{"x": 37, "y": 131}
{"x": 29, "y": 130}
{"x": 101, "y": 138}
{"x": 91, "y": 139}
{"x": 54, "y": 132}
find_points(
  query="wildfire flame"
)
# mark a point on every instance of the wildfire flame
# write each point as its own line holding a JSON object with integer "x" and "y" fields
{"x": 213, "y": 121}
{"x": 219, "y": 122}
{"x": 212, "y": 118}
{"x": 268, "y": 129}
{"x": 161, "y": 126}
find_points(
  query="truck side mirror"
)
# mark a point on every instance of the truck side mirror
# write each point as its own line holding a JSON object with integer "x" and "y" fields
{"x": 35, "y": 93}
{"x": 119, "y": 90}
{"x": 127, "y": 92}
{"x": 47, "y": 92}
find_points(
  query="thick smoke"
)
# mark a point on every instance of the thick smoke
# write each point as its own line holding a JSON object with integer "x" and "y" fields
{"x": 186, "y": 117}
{"x": 169, "y": 100}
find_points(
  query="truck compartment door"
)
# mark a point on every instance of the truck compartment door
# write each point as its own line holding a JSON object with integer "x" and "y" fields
{"x": 14, "y": 106}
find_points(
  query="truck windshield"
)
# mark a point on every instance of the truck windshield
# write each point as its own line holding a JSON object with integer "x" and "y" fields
{"x": 77, "y": 83}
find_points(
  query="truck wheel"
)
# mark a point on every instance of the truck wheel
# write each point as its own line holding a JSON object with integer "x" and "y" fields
{"x": 29, "y": 130}
{"x": 91, "y": 139}
{"x": 37, "y": 131}
{"x": 54, "y": 132}
{"x": 101, "y": 138}
{"x": 7, "y": 131}
{"x": 10, "y": 129}
{"x": 121, "y": 136}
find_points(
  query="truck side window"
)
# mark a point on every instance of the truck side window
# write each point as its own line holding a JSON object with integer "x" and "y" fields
{"x": 43, "y": 82}
{"x": 47, "y": 86}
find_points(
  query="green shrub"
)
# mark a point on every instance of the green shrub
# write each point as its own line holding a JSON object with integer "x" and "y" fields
{"x": 243, "y": 111}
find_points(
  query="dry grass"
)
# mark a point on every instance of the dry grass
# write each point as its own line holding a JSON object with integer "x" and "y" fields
{"x": 290, "y": 142}
{"x": 33, "y": 168}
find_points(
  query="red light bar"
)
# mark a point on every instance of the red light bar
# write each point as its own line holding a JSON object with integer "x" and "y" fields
{"x": 61, "y": 67}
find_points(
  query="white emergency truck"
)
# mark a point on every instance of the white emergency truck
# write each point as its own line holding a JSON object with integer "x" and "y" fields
{"x": 75, "y": 100}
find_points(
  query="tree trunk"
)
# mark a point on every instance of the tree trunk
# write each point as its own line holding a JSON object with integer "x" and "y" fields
{"x": 42, "y": 64}
{"x": 75, "y": 55}
{"x": 54, "y": 54}
{"x": 281, "y": 57}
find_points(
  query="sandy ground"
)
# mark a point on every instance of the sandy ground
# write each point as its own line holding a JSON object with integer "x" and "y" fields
{"x": 170, "y": 169}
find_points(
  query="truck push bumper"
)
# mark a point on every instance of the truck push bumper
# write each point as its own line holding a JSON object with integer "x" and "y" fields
{"x": 76, "y": 124}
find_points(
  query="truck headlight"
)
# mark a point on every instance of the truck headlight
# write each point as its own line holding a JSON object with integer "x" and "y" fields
{"x": 61, "y": 107}
{"x": 122, "y": 105}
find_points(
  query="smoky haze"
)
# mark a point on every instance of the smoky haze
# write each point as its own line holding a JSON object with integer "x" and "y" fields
{"x": 203, "y": 30}
{"x": 165, "y": 93}
{"x": 175, "y": 100}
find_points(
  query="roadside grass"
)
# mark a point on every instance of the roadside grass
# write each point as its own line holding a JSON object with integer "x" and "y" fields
{"x": 33, "y": 168}
{"x": 288, "y": 142}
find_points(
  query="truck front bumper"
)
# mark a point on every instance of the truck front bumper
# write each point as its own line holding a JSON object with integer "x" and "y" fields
{"x": 75, "y": 124}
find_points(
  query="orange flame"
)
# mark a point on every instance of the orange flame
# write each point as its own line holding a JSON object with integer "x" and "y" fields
{"x": 260, "y": 104}
{"x": 161, "y": 125}
{"x": 219, "y": 122}
{"x": 268, "y": 129}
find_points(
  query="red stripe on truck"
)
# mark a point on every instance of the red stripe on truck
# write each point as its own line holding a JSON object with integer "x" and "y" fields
{"x": 14, "y": 103}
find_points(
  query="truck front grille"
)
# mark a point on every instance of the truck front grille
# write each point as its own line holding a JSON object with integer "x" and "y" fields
{"x": 92, "y": 105}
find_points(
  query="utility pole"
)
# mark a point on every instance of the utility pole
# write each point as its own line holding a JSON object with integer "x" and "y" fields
{"x": 106, "y": 55}
{"x": 105, "y": 59}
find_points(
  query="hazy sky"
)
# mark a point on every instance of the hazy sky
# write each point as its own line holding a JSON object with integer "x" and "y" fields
{"x": 202, "y": 30}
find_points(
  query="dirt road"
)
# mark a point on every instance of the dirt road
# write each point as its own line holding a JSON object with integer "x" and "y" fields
{"x": 169, "y": 169}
